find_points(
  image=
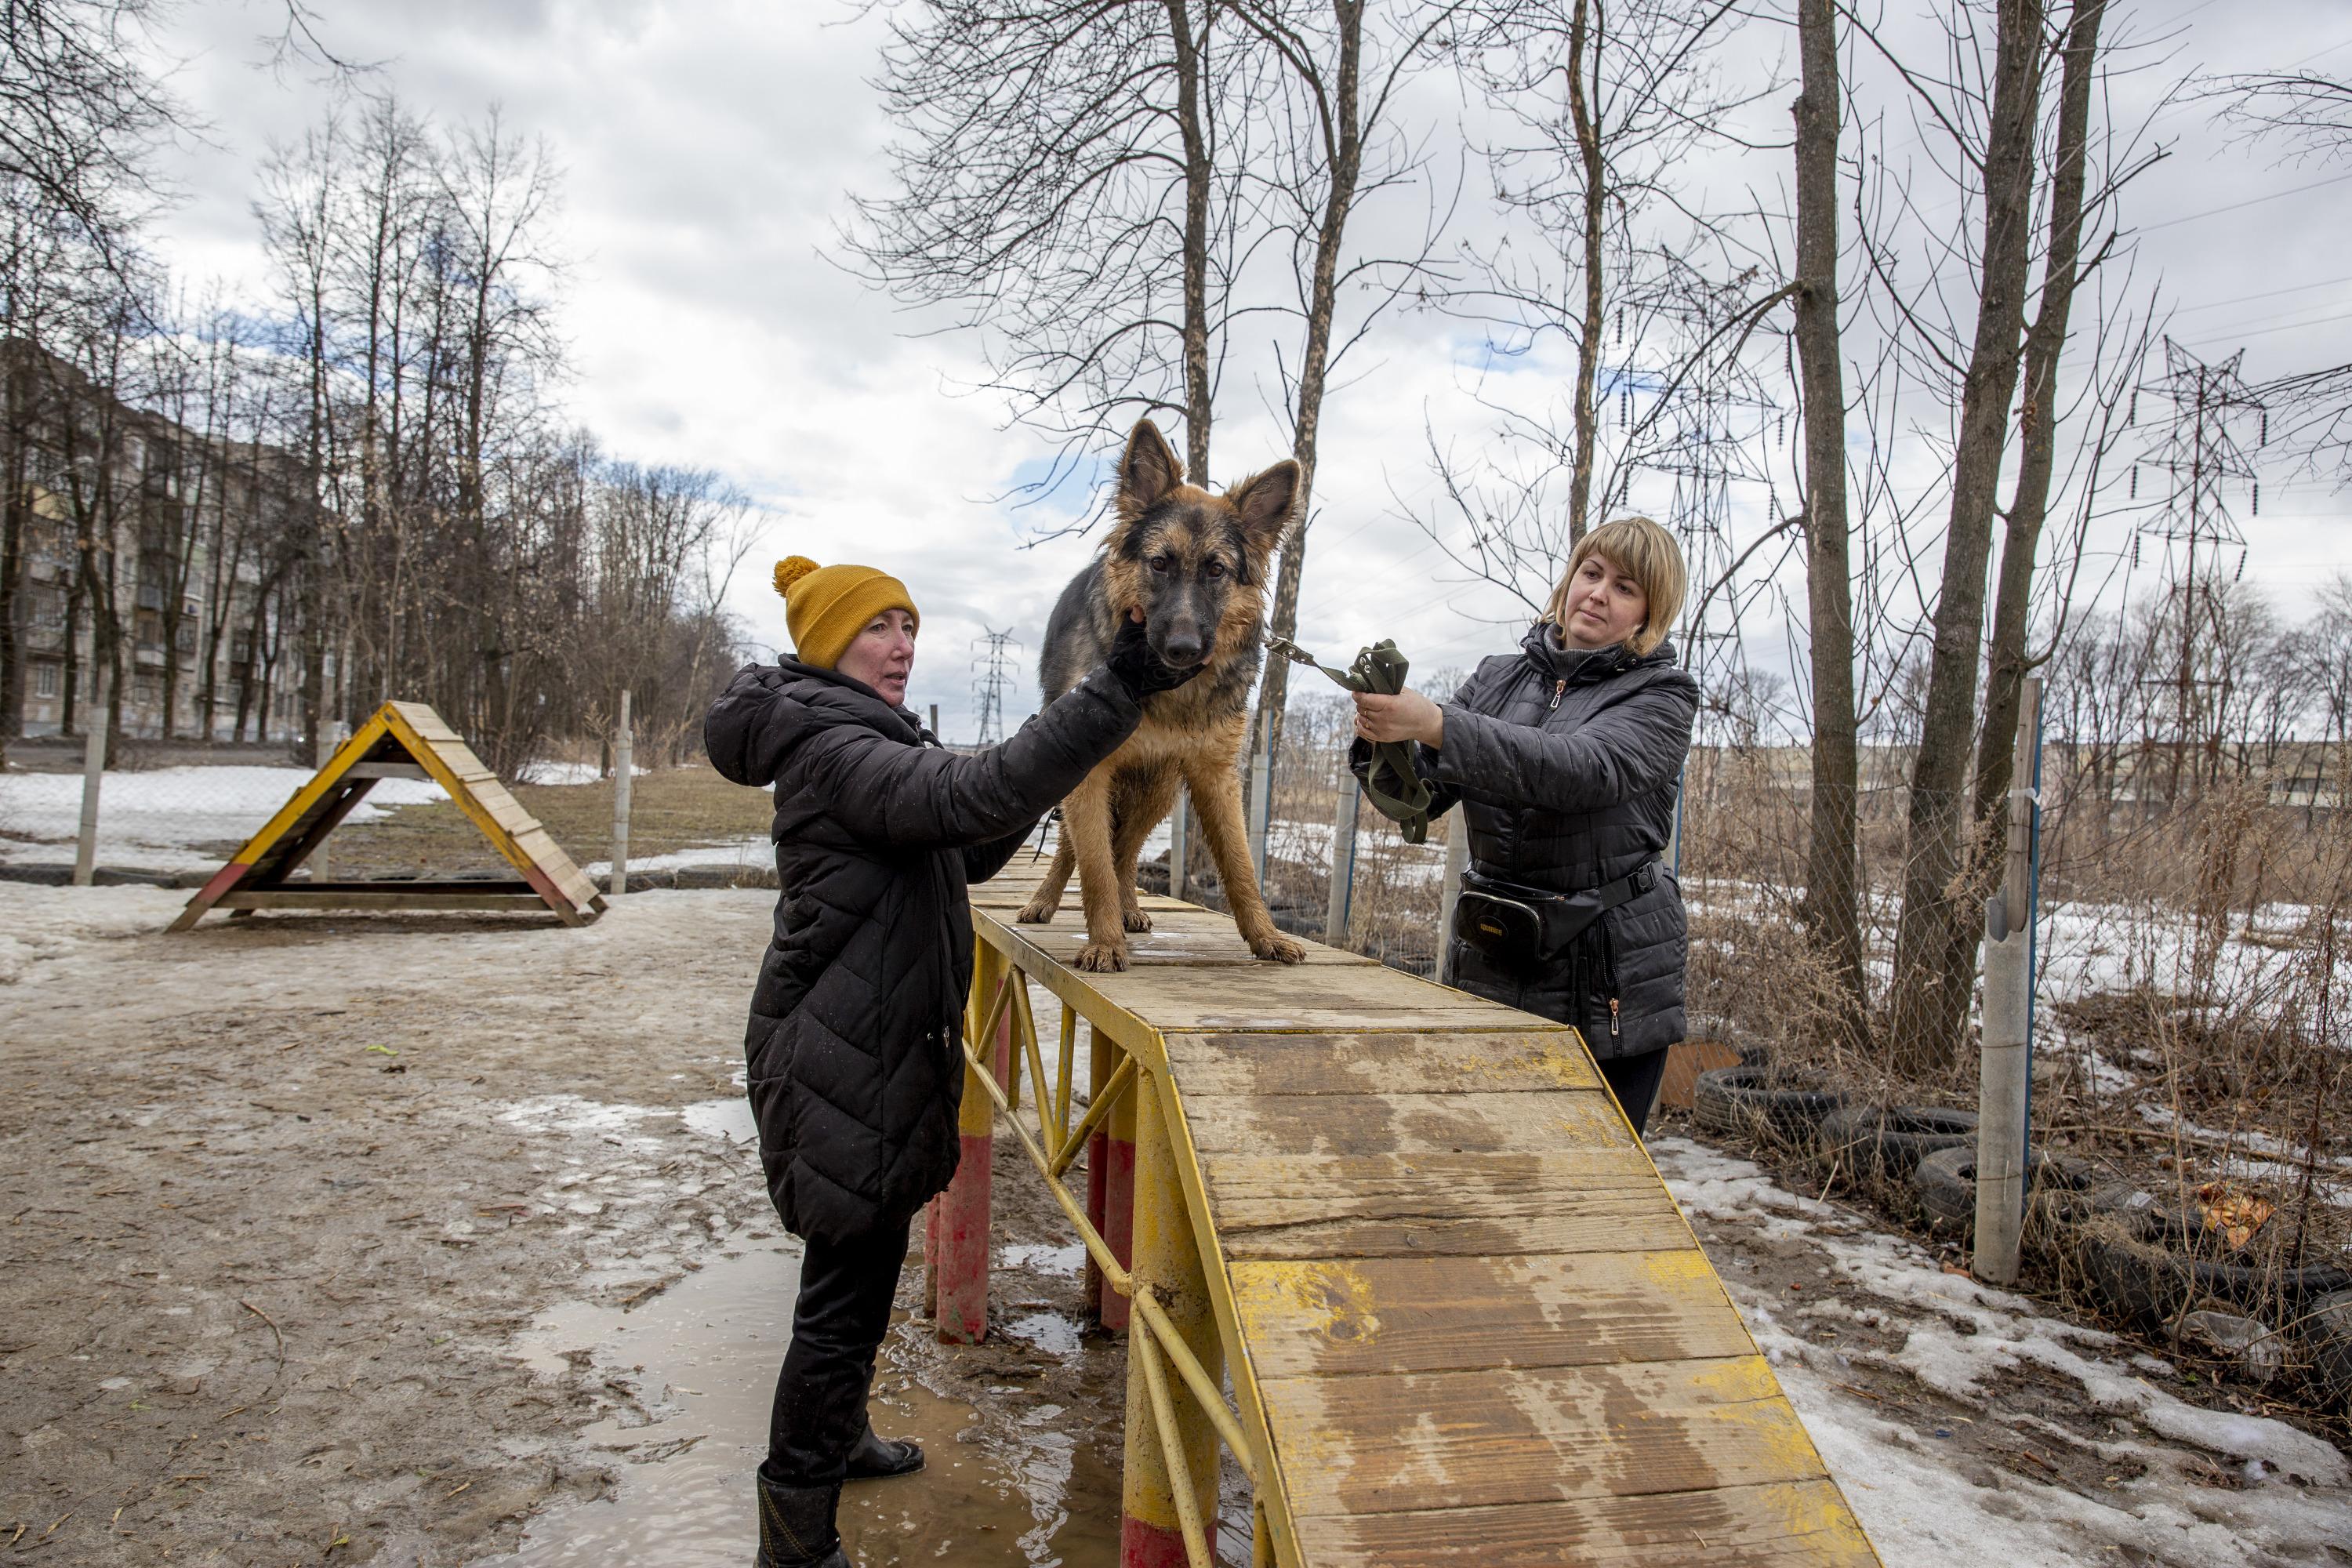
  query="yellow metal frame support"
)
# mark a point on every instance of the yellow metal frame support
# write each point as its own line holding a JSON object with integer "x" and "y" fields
{"x": 1185, "y": 1317}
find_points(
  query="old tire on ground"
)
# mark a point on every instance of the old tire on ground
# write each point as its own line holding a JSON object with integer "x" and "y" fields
{"x": 2154, "y": 1272}
{"x": 1754, "y": 1101}
{"x": 2327, "y": 1332}
{"x": 1869, "y": 1142}
{"x": 1945, "y": 1184}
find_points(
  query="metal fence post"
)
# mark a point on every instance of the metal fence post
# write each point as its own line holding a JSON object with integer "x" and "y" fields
{"x": 1261, "y": 802}
{"x": 93, "y": 773}
{"x": 2005, "y": 1069}
{"x": 1179, "y": 842}
{"x": 1343, "y": 862}
{"x": 624, "y": 750}
{"x": 1167, "y": 1264}
{"x": 1457, "y": 860}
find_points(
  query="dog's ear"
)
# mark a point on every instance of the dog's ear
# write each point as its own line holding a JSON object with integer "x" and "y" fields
{"x": 1148, "y": 471}
{"x": 1264, "y": 502}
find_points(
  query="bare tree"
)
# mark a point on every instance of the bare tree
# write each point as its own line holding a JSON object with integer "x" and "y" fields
{"x": 1069, "y": 186}
{"x": 1337, "y": 146}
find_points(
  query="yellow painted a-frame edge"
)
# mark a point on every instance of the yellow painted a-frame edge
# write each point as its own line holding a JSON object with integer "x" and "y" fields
{"x": 442, "y": 774}
{"x": 386, "y": 719}
{"x": 277, "y": 827}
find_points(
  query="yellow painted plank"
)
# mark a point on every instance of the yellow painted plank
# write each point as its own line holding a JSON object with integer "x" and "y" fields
{"x": 1339, "y": 1206}
{"x": 1803, "y": 1524}
{"x": 1482, "y": 1122}
{"x": 1524, "y": 1060}
{"x": 1479, "y": 1439}
{"x": 1394, "y": 1315}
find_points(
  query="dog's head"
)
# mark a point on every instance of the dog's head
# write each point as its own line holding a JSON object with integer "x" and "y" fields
{"x": 1192, "y": 563}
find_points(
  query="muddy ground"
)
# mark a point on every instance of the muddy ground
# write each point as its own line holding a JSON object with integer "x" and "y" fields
{"x": 279, "y": 1198}
{"x": 374, "y": 1240}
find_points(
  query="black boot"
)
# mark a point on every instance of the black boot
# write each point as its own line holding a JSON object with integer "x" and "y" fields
{"x": 796, "y": 1527}
{"x": 872, "y": 1459}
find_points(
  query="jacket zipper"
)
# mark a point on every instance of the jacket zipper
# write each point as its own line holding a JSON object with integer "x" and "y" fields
{"x": 1558, "y": 688}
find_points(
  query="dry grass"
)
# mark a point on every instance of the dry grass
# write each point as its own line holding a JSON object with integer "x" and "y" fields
{"x": 669, "y": 810}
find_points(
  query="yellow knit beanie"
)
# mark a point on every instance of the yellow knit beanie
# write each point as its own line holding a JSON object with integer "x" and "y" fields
{"x": 827, "y": 607}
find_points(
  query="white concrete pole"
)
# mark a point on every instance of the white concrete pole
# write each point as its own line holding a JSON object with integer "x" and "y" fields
{"x": 322, "y": 750}
{"x": 93, "y": 773}
{"x": 1457, "y": 860}
{"x": 2004, "y": 1072}
{"x": 624, "y": 760}
{"x": 1343, "y": 861}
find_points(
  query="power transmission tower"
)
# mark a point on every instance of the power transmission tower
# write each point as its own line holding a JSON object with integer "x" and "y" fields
{"x": 2199, "y": 453}
{"x": 1713, "y": 431}
{"x": 993, "y": 670}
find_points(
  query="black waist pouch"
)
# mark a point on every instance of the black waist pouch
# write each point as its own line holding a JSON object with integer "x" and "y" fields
{"x": 1520, "y": 931}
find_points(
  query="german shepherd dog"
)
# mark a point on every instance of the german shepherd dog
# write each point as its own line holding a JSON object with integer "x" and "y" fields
{"x": 1191, "y": 566}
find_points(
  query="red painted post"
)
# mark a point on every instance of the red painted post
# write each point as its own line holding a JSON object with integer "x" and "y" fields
{"x": 1118, "y": 1201}
{"x": 959, "y": 1219}
{"x": 1102, "y": 1059}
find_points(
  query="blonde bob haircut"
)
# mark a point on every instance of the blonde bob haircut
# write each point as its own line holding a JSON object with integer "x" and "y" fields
{"x": 1643, "y": 552}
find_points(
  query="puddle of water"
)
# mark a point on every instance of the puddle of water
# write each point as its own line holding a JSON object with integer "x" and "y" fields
{"x": 709, "y": 1347}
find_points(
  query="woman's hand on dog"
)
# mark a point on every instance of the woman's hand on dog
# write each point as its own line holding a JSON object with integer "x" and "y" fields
{"x": 1407, "y": 716}
{"x": 1141, "y": 670}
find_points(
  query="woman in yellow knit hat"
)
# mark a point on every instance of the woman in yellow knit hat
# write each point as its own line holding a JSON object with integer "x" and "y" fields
{"x": 852, "y": 1056}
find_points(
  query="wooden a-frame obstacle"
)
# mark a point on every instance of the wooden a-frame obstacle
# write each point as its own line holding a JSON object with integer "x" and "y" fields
{"x": 404, "y": 741}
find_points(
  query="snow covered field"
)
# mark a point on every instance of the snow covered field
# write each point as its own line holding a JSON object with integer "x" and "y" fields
{"x": 1922, "y": 1388}
{"x": 155, "y": 820}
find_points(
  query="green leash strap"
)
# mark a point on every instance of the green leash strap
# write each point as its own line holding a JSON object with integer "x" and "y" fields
{"x": 1397, "y": 791}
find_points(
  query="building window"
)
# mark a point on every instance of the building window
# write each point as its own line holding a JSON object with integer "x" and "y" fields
{"x": 145, "y": 692}
{"x": 187, "y": 638}
{"x": 45, "y": 679}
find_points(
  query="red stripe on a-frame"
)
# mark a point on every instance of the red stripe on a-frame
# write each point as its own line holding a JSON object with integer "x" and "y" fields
{"x": 223, "y": 880}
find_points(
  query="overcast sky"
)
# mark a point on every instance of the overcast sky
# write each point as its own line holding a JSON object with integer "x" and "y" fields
{"x": 707, "y": 150}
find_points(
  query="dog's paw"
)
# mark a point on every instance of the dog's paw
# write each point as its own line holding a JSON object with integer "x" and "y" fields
{"x": 1036, "y": 912}
{"x": 1135, "y": 919}
{"x": 1104, "y": 957}
{"x": 1279, "y": 948}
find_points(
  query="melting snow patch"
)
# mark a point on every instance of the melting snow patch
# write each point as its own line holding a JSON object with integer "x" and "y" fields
{"x": 1920, "y": 1501}
{"x": 570, "y": 1113}
{"x": 728, "y": 1119}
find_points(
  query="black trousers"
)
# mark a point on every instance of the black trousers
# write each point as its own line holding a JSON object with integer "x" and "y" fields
{"x": 847, "y": 1289}
{"x": 1634, "y": 1082}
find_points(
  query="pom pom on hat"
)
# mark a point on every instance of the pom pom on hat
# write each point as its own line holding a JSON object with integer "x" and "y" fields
{"x": 791, "y": 570}
{"x": 827, "y": 607}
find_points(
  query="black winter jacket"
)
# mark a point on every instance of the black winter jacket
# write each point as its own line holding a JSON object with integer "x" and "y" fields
{"x": 1566, "y": 761}
{"x": 853, "y": 1053}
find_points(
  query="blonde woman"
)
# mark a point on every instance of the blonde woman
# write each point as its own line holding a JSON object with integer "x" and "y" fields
{"x": 1566, "y": 757}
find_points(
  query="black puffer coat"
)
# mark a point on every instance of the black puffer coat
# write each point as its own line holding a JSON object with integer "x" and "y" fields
{"x": 1567, "y": 761}
{"x": 854, "y": 1062}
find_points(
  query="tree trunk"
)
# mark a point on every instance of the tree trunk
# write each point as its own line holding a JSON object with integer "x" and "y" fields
{"x": 1191, "y": 62}
{"x": 2044, "y": 343}
{"x": 1832, "y": 906}
{"x": 1345, "y": 151}
{"x": 1930, "y": 994}
{"x": 1583, "y": 47}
